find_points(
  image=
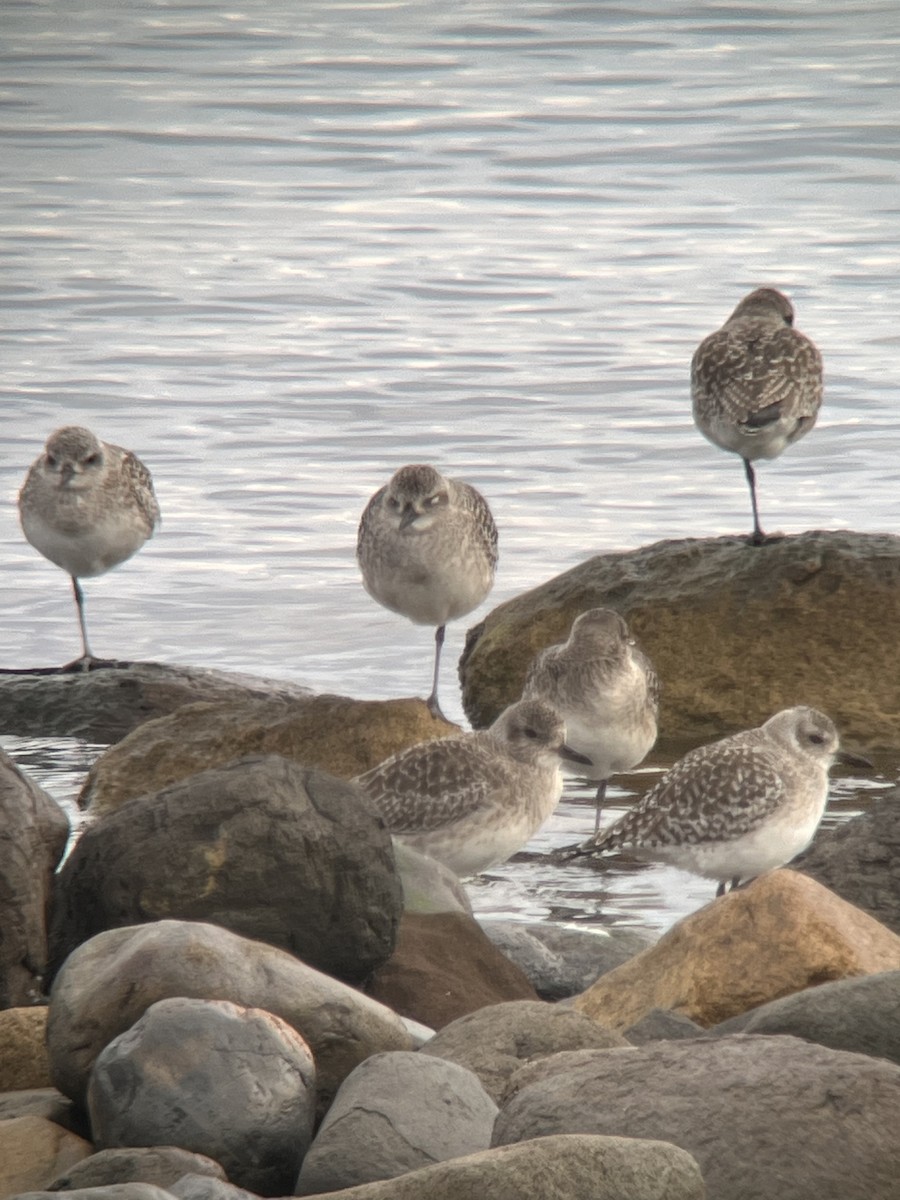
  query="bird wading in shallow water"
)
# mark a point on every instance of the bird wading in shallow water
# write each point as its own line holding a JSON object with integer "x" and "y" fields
{"x": 756, "y": 384}
{"x": 605, "y": 689}
{"x": 738, "y": 807}
{"x": 473, "y": 800}
{"x": 427, "y": 548}
{"x": 86, "y": 506}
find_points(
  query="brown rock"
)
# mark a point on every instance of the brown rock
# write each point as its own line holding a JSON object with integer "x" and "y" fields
{"x": 105, "y": 704}
{"x": 33, "y": 1151}
{"x": 23, "y": 1053}
{"x": 33, "y": 834}
{"x": 782, "y": 933}
{"x": 443, "y": 967}
{"x": 342, "y": 736}
{"x": 821, "y": 611}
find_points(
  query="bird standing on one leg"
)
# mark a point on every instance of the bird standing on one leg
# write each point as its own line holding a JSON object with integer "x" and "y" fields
{"x": 473, "y": 800}
{"x": 427, "y": 548}
{"x": 756, "y": 384}
{"x": 738, "y": 807}
{"x": 86, "y": 506}
{"x": 605, "y": 689}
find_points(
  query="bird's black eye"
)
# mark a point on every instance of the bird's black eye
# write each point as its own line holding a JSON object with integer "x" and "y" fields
{"x": 817, "y": 739}
{"x": 92, "y": 459}
{"x": 529, "y": 732}
{"x": 393, "y": 502}
{"x": 51, "y": 460}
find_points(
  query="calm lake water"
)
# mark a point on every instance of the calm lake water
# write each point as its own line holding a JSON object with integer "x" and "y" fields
{"x": 281, "y": 250}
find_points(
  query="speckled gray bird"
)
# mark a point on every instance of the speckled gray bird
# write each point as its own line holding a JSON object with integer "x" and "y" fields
{"x": 86, "y": 506}
{"x": 427, "y": 548}
{"x": 738, "y": 807}
{"x": 605, "y": 689}
{"x": 756, "y": 384}
{"x": 472, "y": 800}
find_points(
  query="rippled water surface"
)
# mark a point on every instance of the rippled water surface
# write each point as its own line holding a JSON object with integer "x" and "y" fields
{"x": 280, "y": 251}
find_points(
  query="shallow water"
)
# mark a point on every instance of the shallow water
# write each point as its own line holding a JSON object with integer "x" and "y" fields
{"x": 280, "y": 258}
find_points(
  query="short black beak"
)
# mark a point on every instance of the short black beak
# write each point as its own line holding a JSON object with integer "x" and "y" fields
{"x": 852, "y": 760}
{"x": 574, "y": 755}
{"x": 409, "y": 515}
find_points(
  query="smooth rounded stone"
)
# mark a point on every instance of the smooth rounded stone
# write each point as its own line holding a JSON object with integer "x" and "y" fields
{"x": 104, "y": 705}
{"x": 662, "y": 1025}
{"x": 495, "y": 1042}
{"x": 428, "y": 885}
{"x": 204, "y": 1187}
{"x": 560, "y": 962}
{"x": 860, "y": 859}
{"x": 339, "y": 735}
{"x": 162, "y": 1165}
{"x": 108, "y": 982}
{"x": 33, "y": 1151}
{"x": 860, "y": 1015}
{"x": 263, "y": 846}
{"x": 235, "y": 1084}
{"x": 763, "y": 1116}
{"x": 569, "y": 1167}
{"x": 23, "y": 1050}
{"x": 695, "y": 605}
{"x": 781, "y": 933}
{"x": 33, "y": 835}
{"x": 444, "y": 966}
{"x": 395, "y": 1113}
{"x": 112, "y": 1191}
{"x": 45, "y": 1102}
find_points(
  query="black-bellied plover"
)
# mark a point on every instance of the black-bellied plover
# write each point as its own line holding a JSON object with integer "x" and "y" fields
{"x": 427, "y": 548}
{"x": 737, "y": 807}
{"x": 86, "y": 506}
{"x": 605, "y": 689}
{"x": 473, "y": 800}
{"x": 756, "y": 384}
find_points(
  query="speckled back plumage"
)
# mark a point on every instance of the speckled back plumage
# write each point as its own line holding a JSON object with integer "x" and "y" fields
{"x": 756, "y": 383}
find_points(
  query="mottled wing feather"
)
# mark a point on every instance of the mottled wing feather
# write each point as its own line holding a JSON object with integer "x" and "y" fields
{"x": 366, "y": 520}
{"x": 754, "y": 366}
{"x": 715, "y": 791}
{"x": 473, "y": 500}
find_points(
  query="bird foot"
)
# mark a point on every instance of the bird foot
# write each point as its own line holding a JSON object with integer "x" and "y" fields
{"x": 88, "y": 662}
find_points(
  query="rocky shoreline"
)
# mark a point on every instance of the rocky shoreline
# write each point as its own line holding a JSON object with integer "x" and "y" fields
{"x": 234, "y": 987}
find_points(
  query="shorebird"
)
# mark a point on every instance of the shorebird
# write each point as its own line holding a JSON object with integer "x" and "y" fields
{"x": 756, "y": 384}
{"x": 475, "y": 799}
{"x": 605, "y": 689}
{"x": 738, "y": 807}
{"x": 427, "y": 548}
{"x": 86, "y": 506}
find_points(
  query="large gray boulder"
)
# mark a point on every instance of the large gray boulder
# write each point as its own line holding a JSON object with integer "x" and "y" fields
{"x": 764, "y": 1117}
{"x": 235, "y": 1084}
{"x": 395, "y": 1113}
{"x": 861, "y": 1015}
{"x": 160, "y": 1165}
{"x": 110, "y": 981}
{"x": 698, "y": 605}
{"x": 262, "y": 846}
{"x": 33, "y": 834}
{"x": 860, "y": 859}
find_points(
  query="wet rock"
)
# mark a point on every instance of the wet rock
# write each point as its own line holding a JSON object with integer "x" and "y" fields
{"x": 860, "y": 859}
{"x": 696, "y": 605}
{"x": 105, "y": 704}
{"x": 111, "y": 1191}
{"x": 235, "y": 1084}
{"x": 662, "y": 1025}
{"x": 33, "y": 1151}
{"x": 443, "y": 967}
{"x": 395, "y": 1113}
{"x": 497, "y": 1041}
{"x": 23, "y": 1053}
{"x": 160, "y": 1165}
{"x": 763, "y": 1116}
{"x": 778, "y": 935}
{"x": 108, "y": 982}
{"x": 860, "y": 1015}
{"x": 560, "y": 962}
{"x": 33, "y": 835}
{"x": 342, "y": 736}
{"x": 555, "y": 1168}
{"x": 428, "y": 885}
{"x": 204, "y": 1187}
{"x": 272, "y": 850}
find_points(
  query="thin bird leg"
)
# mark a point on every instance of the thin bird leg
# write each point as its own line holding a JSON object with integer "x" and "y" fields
{"x": 433, "y": 704}
{"x": 601, "y": 796}
{"x": 758, "y": 537}
{"x": 86, "y": 657}
{"x": 720, "y": 890}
